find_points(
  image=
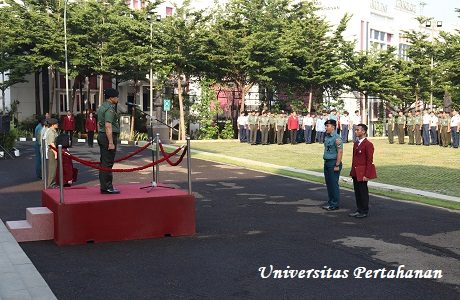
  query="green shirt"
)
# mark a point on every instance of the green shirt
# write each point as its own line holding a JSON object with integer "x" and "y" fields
{"x": 264, "y": 120}
{"x": 444, "y": 121}
{"x": 418, "y": 120}
{"x": 331, "y": 145}
{"x": 108, "y": 113}
{"x": 410, "y": 121}
{"x": 252, "y": 120}
{"x": 401, "y": 120}
{"x": 391, "y": 121}
{"x": 279, "y": 121}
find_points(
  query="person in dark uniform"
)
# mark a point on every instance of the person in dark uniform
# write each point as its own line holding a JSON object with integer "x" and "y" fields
{"x": 362, "y": 170}
{"x": 333, "y": 151}
{"x": 109, "y": 129}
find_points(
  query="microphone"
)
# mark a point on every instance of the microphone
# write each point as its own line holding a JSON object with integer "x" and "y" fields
{"x": 131, "y": 104}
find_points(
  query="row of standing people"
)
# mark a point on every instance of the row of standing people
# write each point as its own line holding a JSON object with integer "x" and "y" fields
{"x": 429, "y": 128}
{"x": 270, "y": 128}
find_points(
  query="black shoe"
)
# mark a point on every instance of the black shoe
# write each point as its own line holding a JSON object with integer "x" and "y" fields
{"x": 354, "y": 214}
{"x": 361, "y": 215}
{"x": 110, "y": 191}
{"x": 330, "y": 208}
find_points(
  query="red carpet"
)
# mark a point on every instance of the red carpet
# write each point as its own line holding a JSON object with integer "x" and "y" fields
{"x": 89, "y": 216}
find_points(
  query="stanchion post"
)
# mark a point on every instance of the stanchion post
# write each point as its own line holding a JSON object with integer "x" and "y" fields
{"x": 45, "y": 164}
{"x": 153, "y": 158}
{"x": 189, "y": 166}
{"x": 43, "y": 161}
{"x": 61, "y": 176}
{"x": 157, "y": 166}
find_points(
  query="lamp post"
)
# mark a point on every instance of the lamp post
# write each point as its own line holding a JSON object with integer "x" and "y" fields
{"x": 158, "y": 18}
{"x": 66, "y": 59}
{"x": 428, "y": 25}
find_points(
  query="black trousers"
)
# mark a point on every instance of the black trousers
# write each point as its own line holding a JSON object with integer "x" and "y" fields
{"x": 107, "y": 159}
{"x": 293, "y": 136}
{"x": 361, "y": 195}
{"x": 90, "y": 138}
{"x": 70, "y": 134}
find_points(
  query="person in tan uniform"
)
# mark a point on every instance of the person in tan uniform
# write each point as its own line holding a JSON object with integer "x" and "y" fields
{"x": 410, "y": 121}
{"x": 401, "y": 121}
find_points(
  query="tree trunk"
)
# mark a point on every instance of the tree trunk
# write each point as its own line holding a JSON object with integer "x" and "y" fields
{"x": 37, "y": 93}
{"x": 72, "y": 97}
{"x": 244, "y": 90}
{"x": 88, "y": 94}
{"x": 46, "y": 89}
{"x": 53, "y": 89}
{"x": 101, "y": 89}
{"x": 181, "y": 109}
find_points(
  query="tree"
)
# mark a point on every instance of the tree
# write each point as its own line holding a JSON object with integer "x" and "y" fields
{"x": 13, "y": 65}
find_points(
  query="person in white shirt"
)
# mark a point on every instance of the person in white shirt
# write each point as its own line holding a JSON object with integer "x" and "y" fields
{"x": 426, "y": 128}
{"x": 344, "y": 124}
{"x": 454, "y": 128}
{"x": 434, "y": 128}
{"x": 308, "y": 127}
{"x": 320, "y": 128}
{"x": 355, "y": 120}
{"x": 242, "y": 126}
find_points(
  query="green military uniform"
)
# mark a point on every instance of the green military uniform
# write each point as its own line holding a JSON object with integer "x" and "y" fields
{"x": 332, "y": 144}
{"x": 401, "y": 121}
{"x": 411, "y": 129}
{"x": 391, "y": 121}
{"x": 271, "y": 131}
{"x": 253, "y": 124}
{"x": 107, "y": 113}
{"x": 280, "y": 121}
{"x": 264, "y": 124}
{"x": 445, "y": 135}
{"x": 418, "y": 120}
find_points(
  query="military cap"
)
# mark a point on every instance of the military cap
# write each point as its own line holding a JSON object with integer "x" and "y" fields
{"x": 332, "y": 122}
{"x": 53, "y": 121}
{"x": 110, "y": 93}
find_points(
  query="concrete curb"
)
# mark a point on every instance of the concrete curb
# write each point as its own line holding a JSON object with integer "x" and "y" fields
{"x": 19, "y": 279}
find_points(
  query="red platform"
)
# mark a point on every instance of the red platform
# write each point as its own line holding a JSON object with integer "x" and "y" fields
{"x": 89, "y": 216}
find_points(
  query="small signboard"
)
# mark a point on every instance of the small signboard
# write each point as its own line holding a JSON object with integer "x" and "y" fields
{"x": 166, "y": 105}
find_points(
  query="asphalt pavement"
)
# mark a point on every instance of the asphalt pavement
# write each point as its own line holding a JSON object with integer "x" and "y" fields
{"x": 247, "y": 221}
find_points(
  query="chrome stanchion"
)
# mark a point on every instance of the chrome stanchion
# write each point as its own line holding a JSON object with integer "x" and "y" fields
{"x": 153, "y": 159}
{"x": 45, "y": 165}
{"x": 61, "y": 176}
{"x": 157, "y": 158}
{"x": 43, "y": 162}
{"x": 189, "y": 167}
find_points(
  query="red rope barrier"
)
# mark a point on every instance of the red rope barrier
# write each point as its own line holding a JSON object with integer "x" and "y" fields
{"x": 165, "y": 154}
{"x": 117, "y": 160}
{"x": 121, "y": 170}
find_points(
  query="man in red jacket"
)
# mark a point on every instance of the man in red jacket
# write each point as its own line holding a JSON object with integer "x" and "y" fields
{"x": 90, "y": 128}
{"x": 362, "y": 170}
{"x": 69, "y": 126}
{"x": 293, "y": 126}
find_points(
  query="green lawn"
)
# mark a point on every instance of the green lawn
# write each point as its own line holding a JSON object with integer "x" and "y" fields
{"x": 430, "y": 168}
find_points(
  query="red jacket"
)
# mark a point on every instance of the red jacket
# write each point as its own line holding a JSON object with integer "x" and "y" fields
{"x": 69, "y": 124}
{"x": 363, "y": 158}
{"x": 293, "y": 122}
{"x": 90, "y": 124}
{"x": 69, "y": 172}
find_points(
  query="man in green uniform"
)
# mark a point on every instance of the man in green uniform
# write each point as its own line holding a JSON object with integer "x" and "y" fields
{"x": 264, "y": 124}
{"x": 401, "y": 121}
{"x": 333, "y": 152}
{"x": 410, "y": 127}
{"x": 280, "y": 127}
{"x": 418, "y": 127}
{"x": 109, "y": 129}
{"x": 50, "y": 140}
{"x": 445, "y": 134}
{"x": 253, "y": 126}
{"x": 390, "y": 128}
{"x": 271, "y": 131}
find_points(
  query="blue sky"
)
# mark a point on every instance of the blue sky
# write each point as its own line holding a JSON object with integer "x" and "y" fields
{"x": 443, "y": 10}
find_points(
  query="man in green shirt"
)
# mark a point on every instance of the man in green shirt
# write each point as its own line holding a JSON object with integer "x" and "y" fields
{"x": 50, "y": 140}
{"x": 109, "y": 129}
{"x": 391, "y": 121}
{"x": 333, "y": 151}
{"x": 445, "y": 134}
{"x": 253, "y": 127}
{"x": 280, "y": 128}
{"x": 401, "y": 121}
{"x": 264, "y": 124}
{"x": 410, "y": 127}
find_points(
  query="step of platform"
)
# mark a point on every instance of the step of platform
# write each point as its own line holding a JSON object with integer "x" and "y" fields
{"x": 39, "y": 225}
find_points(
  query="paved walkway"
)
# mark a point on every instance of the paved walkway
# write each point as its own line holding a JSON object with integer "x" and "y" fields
{"x": 19, "y": 279}
{"x": 372, "y": 184}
